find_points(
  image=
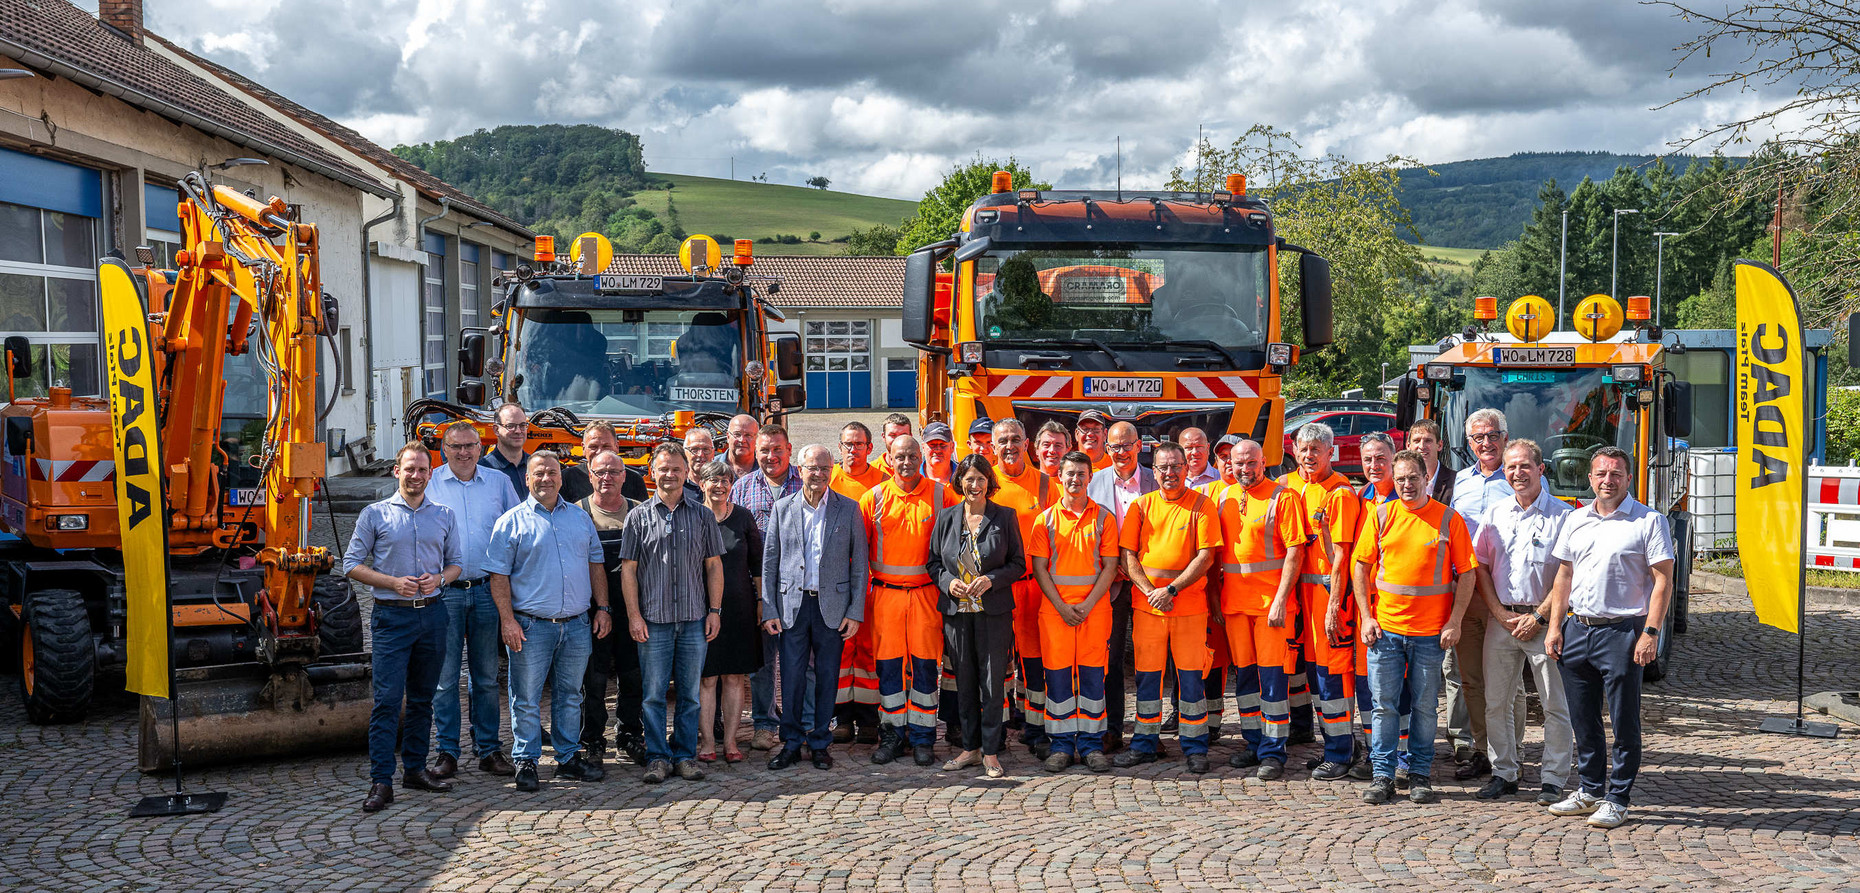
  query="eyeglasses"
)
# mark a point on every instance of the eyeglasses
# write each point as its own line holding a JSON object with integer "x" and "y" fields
{"x": 516, "y": 427}
{"x": 823, "y": 469}
{"x": 1167, "y": 466}
{"x": 461, "y": 447}
{"x": 1121, "y": 447}
{"x": 608, "y": 473}
{"x": 1489, "y": 437}
{"x": 861, "y": 445}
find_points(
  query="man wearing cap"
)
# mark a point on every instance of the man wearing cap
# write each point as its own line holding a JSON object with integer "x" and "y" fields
{"x": 1028, "y": 491}
{"x": 1194, "y": 442}
{"x": 1223, "y": 457}
{"x": 1090, "y": 434}
{"x": 1114, "y": 493}
{"x": 981, "y": 435}
{"x": 939, "y": 448}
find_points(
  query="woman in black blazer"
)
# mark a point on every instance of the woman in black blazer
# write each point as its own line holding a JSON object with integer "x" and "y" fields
{"x": 978, "y": 616}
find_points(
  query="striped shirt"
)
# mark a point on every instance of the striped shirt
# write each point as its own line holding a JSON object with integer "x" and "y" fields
{"x": 401, "y": 541}
{"x": 754, "y": 493}
{"x": 671, "y": 546}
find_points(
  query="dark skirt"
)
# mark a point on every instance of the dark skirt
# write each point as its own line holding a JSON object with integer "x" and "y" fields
{"x": 737, "y": 650}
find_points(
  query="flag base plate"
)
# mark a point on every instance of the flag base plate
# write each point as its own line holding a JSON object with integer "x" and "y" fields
{"x": 1789, "y": 725}
{"x": 178, "y": 804}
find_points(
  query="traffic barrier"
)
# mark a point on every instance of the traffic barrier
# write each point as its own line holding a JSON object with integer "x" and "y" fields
{"x": 1833, "y": 518}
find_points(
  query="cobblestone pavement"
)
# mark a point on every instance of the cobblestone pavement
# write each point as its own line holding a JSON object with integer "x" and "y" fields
{"x": 1718, "y": 806}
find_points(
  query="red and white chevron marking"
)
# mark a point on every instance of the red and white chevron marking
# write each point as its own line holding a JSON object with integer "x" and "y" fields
{"x": 1840, "y": 562}
{"x": 1834, "y": 490}
{"x": 1214, "y": 387}
{"x": 1031, "y": 386}
{"x": 74, "y": 471}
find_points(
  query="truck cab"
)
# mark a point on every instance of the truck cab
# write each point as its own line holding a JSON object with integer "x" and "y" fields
{"x": 1159, "y": 308}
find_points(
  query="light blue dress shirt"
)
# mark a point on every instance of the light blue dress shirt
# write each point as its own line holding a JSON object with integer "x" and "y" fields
{"x": 396, "y": 539}
{"x": 546, "y": 555}
{"x": 813, "y": 533}
{"x": 476, "y": 505}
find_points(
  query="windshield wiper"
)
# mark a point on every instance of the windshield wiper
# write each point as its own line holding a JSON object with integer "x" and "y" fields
{"x": 1209, "y": 345}
{"x": 1092, "y": 343}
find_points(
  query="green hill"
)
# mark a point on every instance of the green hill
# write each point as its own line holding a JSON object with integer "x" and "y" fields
{"x": 1485, "y": 202}
{"x": 741, "y": 209}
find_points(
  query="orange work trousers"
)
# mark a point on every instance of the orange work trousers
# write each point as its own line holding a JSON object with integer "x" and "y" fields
{"x": 907, "y": 644}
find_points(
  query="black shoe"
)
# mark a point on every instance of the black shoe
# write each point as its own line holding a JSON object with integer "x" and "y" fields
{"x": 923, "y": 754}
{"x": 1040, "y": 750}
{"x": 634, "y": 748}
{"x": 1113, "y": 742}
{"x": 1463, "y": 754}
{"x": 445, "y": 766}
{"x": 1270, "y": 769}
{"x": 1301, "y": 736}
{"x": 1381, "y": 790}
{"x": 1132, "y": 757}
{"x": 1214, "y": 733}
{"x": 822, "y": 759}
{"x": 889, "y": 743}
{"x": 1314, "y": 762}
{"x": 1330, "y": 770}
{"x": 498, "y": 763}
{"x": 1056, "y": 762}
{"x": 1473, "y": 768}
{"x": 527, "y": 779}
{"x": 1173, "y": 723}
{"x": 1550, "y": 795}
{"x": 1244, "y": 758}
{"x": 379, "y": 796}
{"x": 423, "y": 780}
{"x": 1361, "y": 771}
{"x": 784, "y": 758}
{"x": 1098, "y": 761}
{"x": 843, "y": 734}
{"x": 578, "y": 768}
{"x": 1495, "y": 788}
{"x": 1198, "y": 763}
{"x": 865, "y": 734}
{"x": 1421, "y": 790}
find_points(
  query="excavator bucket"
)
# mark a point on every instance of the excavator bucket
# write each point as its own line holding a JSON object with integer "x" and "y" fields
{"x": 239, "y": 712}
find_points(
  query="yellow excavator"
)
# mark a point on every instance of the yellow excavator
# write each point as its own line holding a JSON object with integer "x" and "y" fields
{"x": 267, "y": 643}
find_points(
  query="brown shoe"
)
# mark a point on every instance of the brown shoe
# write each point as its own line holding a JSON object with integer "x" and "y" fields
{"x": 379, "y": 796}
{"x": 497, "y": 764}
{"x": 763, "y": 739}
{"x": 423, "y": 780}
{"x": 1113, "y": 742}
{"x": 445, "y": 767}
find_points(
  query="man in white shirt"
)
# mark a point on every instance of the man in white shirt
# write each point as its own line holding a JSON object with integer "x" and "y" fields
{"x": 1615, "y": 583}
{"x": 1476, "y": 488}
{"x": 1515, "y": 572}
{"x": 1195, "y": 445}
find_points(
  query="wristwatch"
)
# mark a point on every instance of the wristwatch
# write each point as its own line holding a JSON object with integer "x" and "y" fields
{"x": 716, "y": 610}
{"x": 603, "y": 609}
{"x": 1540, "y": 618}
{"x": 1653, "y": 631}
{"x": 1173, "y": 592}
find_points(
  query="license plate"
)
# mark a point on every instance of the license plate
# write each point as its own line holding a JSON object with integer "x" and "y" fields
{"x": 632, "y": 283}
{"x": 1534, "y": 356}
{"x": 704, "y": 395}
{"x": 243, "y": 496}
{"x": 1123, "y": 388}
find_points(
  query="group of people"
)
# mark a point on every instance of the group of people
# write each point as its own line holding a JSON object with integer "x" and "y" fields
{"x": 1001, "y": 592}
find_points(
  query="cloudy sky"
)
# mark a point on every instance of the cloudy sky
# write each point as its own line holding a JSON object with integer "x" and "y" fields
{"x": 882, "y": 96}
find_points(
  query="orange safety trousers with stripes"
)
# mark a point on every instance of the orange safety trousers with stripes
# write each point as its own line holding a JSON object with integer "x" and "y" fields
{"x": 1157, "y": 640}
{"x": 1075, "y": 659}
{"x": 907, "y": 628}
{"x": 1263, "y": 658}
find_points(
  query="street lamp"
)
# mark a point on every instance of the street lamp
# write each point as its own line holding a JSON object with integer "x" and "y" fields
{"x": 7, "y": 74}
{"x": 1614, "y": 268}
{"x": 1562, "y": 270}
{"x": 1659, "y": 268}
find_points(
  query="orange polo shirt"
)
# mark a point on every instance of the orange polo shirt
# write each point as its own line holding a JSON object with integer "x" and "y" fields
{"x": 1249, "y": 540}
{"x": 854, "y": 486}
{"x": 897, "y": 527}
{"x": 1166, "y": 534}
{"x": 1028, "y": 495}
{"x": 1077, "y": 545}
{"x": 1333, "y": 513}
{"x": 1404, "y": 545}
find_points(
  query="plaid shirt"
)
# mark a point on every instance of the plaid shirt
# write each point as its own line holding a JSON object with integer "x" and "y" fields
{"x": 754, "y": 493}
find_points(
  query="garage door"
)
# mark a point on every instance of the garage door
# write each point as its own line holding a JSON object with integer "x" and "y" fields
{"x": 839, "y": 364}
{"x": 900, "y": 382}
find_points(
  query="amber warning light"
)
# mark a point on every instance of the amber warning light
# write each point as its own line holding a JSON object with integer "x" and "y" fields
{"x": 1003, "y": 182}
{"x": 1639, "y": 308}
{"x": 545, "y": 249}
{"x": 1485, "y": 307}
{"x": 1236, "y": 184}
{"x": 745, "y": 252}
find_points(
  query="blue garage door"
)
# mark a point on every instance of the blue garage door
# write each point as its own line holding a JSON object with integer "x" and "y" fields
{"x": 900, "y": 383}
{"x": 839, "y": 363}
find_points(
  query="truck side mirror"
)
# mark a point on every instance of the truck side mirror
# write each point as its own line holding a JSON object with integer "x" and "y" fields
{"x": 19, "y": 356}
{"x": 1315, "y": 301}
{"x": 1678, "y": 409}
{"x": 792, "y": 397}
{"x": 788, "y": 358}
{"x": 471, "y": 354}
{"x": 1404, "y": 403}
{"x": 919, "y": 295}
{"x": 471, "y": 393}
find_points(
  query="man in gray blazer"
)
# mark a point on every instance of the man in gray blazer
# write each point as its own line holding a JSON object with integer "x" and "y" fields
{"x": 1114, "y": 489}
{"x": 813, "y": 598}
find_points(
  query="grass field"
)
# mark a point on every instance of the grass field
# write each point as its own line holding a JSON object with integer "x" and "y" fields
{"x": 743, "y": 210}
{"x": 1454, "y": 257}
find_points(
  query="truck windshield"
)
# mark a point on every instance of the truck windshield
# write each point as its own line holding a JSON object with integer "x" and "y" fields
{"x": 1569, "y": 412}
{"x": 1131, "y": 296}
{"x": 628, "y": 362}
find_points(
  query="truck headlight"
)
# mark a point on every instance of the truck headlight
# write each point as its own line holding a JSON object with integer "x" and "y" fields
{"x": 68, "y": 522}
{"x": 1278, "y": 353}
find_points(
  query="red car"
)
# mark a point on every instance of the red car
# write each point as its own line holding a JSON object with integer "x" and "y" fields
{"x": 1349, "y": 426}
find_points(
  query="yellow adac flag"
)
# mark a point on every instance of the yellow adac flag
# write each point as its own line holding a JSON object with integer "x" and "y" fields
{"x": 141, "y": 509}
{"x": 1772, "y": 463}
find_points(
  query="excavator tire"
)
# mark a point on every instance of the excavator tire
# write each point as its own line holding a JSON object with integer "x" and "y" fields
{"x": 58, "y": 658}
{"x": 338, "y": 616}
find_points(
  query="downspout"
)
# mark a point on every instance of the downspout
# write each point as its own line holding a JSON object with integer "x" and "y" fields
{"x": 368, "y": 339}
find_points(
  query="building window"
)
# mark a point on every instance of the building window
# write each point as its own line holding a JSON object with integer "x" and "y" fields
{"x": 48, "y": 293}
{"x": 161, "y": 223}
{"x": 347, "y": 340}
{"x": 838, "y": 345}
{"x": 433, "y": 301}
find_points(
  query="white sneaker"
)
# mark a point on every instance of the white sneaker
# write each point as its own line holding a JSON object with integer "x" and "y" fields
{"x": 1579, "y": 802}
{"x": 1608, "y": 814}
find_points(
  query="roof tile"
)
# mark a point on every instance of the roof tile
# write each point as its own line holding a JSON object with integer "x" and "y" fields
{"x": 835, "y": 281}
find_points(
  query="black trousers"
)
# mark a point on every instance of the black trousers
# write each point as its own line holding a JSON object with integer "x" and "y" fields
{"x": 617, "y": 658}
{"x": 1599, "y": 670}
{"x": 809, "y": 642}
{"x": 1120, "y": 651}
{"x": 981, "y": 648}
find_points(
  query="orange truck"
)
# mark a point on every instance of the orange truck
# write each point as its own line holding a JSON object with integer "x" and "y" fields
{"x": 1156, "y": 308}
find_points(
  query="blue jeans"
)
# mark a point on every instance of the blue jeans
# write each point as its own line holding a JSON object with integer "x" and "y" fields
{"x": 1417, "y": 660}
{"x": 672, "y": 653}
{"x": 405, "y": 655}
{"x": 548, "y": 646}
{"x": 471, "y": 628}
